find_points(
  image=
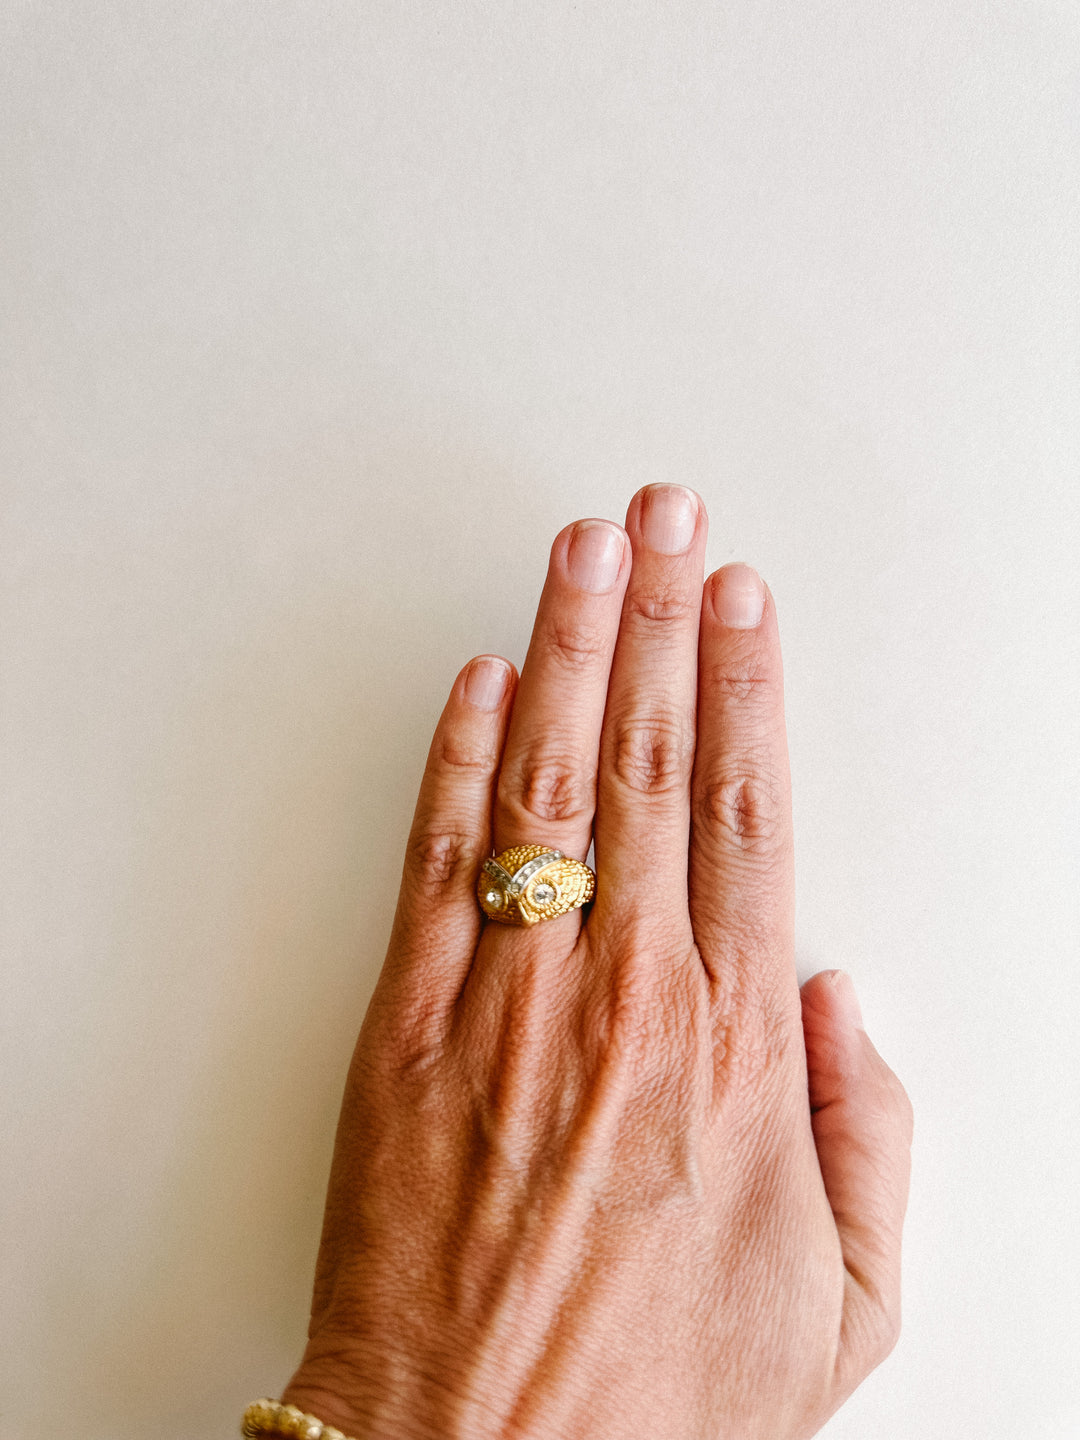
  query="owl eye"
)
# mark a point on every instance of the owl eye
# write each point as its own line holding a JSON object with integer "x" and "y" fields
{"x": 495, "y": 898}
{"x": 543, "y": 893}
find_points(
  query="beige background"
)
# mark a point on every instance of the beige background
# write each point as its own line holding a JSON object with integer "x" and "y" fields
{"x": 318, "y": 321}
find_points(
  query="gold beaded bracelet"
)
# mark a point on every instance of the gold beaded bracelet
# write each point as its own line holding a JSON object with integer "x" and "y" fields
{"x": 272, "y": 1418}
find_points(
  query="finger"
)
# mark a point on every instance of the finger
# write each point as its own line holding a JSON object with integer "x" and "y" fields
{"x": 647, "y": 743}
{"x": 741, "y": 870}
{"x": 547, "y": 782}
{"x": 437, "y": 923}
{"x": 862, "y": 1124}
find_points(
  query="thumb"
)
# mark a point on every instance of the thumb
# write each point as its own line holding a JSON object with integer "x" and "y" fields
{"x": 862, "y": 1124}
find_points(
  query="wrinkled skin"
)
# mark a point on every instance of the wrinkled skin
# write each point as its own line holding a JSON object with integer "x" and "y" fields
{"x": 612, "y": 1175}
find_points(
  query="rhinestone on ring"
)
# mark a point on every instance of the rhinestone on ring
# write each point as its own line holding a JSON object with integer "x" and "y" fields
{"x": 530, "y": 883}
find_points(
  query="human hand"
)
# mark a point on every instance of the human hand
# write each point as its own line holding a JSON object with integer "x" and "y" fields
{"x": 607, "y": 1176}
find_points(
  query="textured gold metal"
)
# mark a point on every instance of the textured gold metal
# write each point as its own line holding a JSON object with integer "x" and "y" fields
{"x": 526, "y": 900}
{"x": 270, "y": 1418}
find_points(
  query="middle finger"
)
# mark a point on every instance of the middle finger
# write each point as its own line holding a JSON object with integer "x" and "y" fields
{"x": 547, "y": 783}
{"x": 642, "y": 823}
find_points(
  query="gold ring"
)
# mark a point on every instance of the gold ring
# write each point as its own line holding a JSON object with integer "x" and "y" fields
{"x": 530, "y": 883}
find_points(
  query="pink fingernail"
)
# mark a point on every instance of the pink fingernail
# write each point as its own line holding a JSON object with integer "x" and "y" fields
{"x": 669, "y": 516}
{"x": 594, "y": 555}
{"x": 849, "y": 1001}
{"x": 485, "y": 682}
{"x": 739, "y": 596}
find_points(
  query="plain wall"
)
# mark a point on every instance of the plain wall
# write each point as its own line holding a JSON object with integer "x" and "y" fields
{"x": 318, "y": 320}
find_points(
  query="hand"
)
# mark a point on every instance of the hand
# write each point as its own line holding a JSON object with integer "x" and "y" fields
{"x": 606, "y": 1176}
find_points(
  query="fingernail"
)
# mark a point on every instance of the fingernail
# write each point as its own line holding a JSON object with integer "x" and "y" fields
{"x": 849, "y": 1001}
{"x": 594, "y": 555}
{"x": 739, "y": 596}
{"x": 485, "y": 682}
{"x": 668, "y": 518}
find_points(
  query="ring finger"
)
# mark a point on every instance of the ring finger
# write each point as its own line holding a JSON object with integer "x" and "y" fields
{"x": 547, "y": 784}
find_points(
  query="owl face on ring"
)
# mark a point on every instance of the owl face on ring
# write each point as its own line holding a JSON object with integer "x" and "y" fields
{"x": 524, "y": 897}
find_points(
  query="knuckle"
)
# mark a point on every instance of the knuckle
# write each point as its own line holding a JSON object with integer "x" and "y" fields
{"x": 410, "y": 1041}
{"x": 743, "y": 808}
{"x": 440, "y": 860}
{"x": 456, "y": 753}
{"x": 613, "y": 1018}
{"x": 887, "y": 1101}
{"x": 652, "y": 755}
{"x": 741, "y": 680}
{"x": 415, "y": 1048}
{"x": 659, "y": 605}
{"x": 547, "y": 788}
{"x": 886, "y": 1333}
{"x": 573, "y": 646}
{"x": 646, "y": 1008}
{"x": 760, "y": 1031}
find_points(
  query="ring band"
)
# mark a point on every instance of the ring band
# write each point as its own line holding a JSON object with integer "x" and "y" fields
{"x": 271, "y": 1418}
{"x": 530, "y": 883}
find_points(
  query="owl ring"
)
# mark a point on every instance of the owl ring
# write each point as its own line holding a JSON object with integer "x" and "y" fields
{"x": 529, "y": 883}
